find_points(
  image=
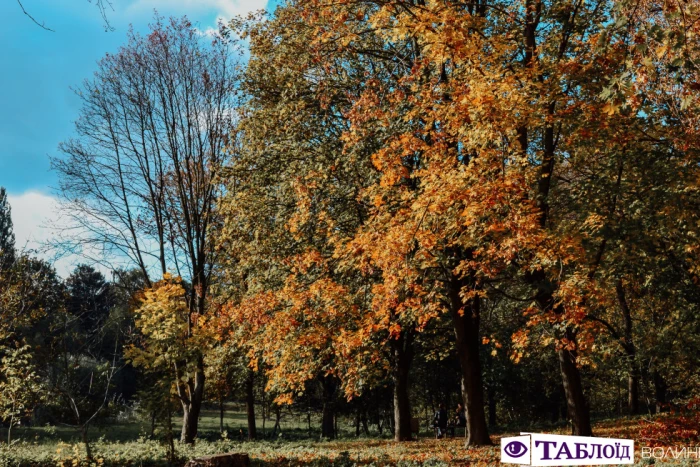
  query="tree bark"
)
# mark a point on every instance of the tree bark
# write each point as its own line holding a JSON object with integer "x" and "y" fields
{"x": 402, "y": 352}
{"x": 576, "y": 403}
{"x": 633, "y": 393}
{"x": 466, "y": 321}
{"x": 221, "y": 414}
{"x": 573, "y": 391}
{"x": 192, "y": 407}
{"x": 153, "y": 423}
{"x": 9, "y": 430}
{"x": 631, "y": 351}
{"x": 659, "y": 391}
{"x": 250, "y": 404}
{"x": 492, "y": 407}
{"x": 328, "y": 421}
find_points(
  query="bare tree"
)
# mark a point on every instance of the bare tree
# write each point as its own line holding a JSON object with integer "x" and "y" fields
{"x": 136, "y": 183}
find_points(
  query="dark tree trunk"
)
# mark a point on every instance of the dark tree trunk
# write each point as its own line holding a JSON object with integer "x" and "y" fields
{"x": 402, "y": 354}
{"x": 278, "y": 416}
{"x": 308, "y": 420}
{"x": 633, "y": 392}
{"x": 192, "y": 407}
{"x": 365, "y": 427}
{"x": 86, "y": 441}
{"x": 466, "y": 321}
{"x": 263, "y": 409}
{"x": 576, "y": 403}
{"x": 169, "y": 438}
{"x": 573, "y": 391}
{"x": 659, "y": 391}
{"x": 335, "y": 426}
{"x": 221, "y": 414}
{"x": 250, "y": 404}
{"x": 492, "y": 408}
{"x": 328, "y": 420}
{"x": 630, "y": 350}
{"x": 153, "y": 423}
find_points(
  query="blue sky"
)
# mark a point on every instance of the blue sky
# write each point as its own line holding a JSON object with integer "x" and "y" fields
{"x": 38, "y": 69}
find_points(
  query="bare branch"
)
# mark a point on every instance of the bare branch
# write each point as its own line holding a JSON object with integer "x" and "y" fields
{"x": 42, "y": 25}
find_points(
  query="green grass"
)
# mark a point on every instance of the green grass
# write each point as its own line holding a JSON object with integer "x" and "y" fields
{"x": 132, "y": 430}
{"x": 127, "y": 443}
{"x": 124, "y": 444}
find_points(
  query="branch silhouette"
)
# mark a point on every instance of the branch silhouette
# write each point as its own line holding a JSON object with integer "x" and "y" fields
{"x": 42, "y": 25}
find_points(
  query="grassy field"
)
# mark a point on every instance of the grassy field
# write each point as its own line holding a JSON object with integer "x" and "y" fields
{"x": 126, "y": 445}
{"x": 235, "y": 422}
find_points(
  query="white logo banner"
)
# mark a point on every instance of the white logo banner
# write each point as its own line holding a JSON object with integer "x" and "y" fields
{"x": 554, "y": 450}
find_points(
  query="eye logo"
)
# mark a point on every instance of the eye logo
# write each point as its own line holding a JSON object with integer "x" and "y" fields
{"x": 515, "y": 449}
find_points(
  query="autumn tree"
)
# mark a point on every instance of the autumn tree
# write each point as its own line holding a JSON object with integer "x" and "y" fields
{"x": 291, "y": 209}
{"x": 137, "y": 181}
{"x": 170, "y": 341}
{"x": 21, "y": 387}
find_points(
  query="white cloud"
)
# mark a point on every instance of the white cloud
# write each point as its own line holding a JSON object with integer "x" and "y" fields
{"x": 223, "y": 9}
{"x": 31, "y": 213}
{"x": 35, "y": 216}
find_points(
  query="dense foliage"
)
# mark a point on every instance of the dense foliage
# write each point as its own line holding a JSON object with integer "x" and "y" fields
{"x": 388, "y": 207}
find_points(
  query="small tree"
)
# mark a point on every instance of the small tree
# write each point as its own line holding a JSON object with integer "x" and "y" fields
{"x": 21, "y": 388}
{"x": 170, "y": 341}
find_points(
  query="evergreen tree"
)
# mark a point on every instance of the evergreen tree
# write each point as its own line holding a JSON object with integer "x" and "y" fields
{"x": 7, "y": 236}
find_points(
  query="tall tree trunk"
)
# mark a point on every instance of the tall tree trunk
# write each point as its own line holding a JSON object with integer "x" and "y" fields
{"x": 571, "y": 378}
{"x": 659, "y": 391}
{"x": 466, "y": 321}
{"x": 153, "y": 423}
{"x": 335, "y": 426}
{"x": 402, "y": 353}
{"x": 278, "y": 416}
{"x": 328, "y": 421}
{"x": 9, "y": 430}
{"x": 192, "y": 407}
{"x": 250, "y": 404}
{"x": 631, "y": 351}
{"x": 169, "y": 438}
{"x": 576, "y": 403}
{"x": 221, "y": 414}
{"x": 492, "y": 407}
{"x": 573, "y": 390}
{"x": 308, "y": 420}
{"x": 263, "y": 409}
{"x": 633, "y": 392}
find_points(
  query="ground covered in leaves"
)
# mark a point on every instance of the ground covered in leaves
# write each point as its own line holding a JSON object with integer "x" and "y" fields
{"x": 667, "y": 430}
